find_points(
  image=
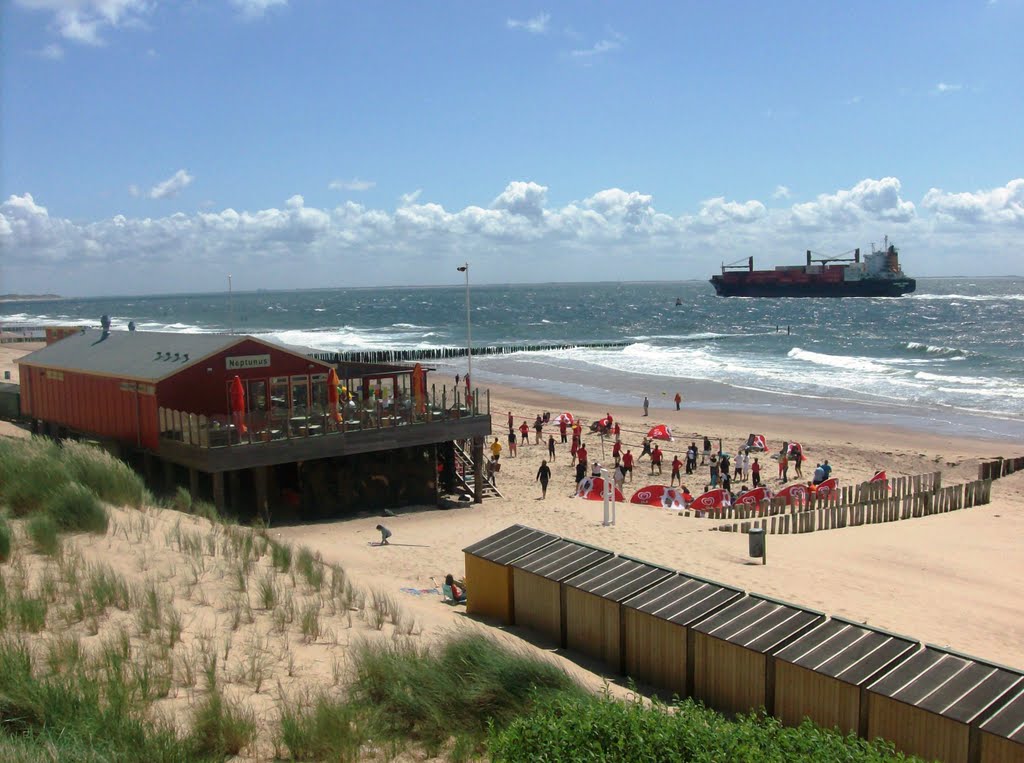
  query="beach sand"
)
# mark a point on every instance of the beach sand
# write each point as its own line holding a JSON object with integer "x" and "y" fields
{"x": 955, "y": 580}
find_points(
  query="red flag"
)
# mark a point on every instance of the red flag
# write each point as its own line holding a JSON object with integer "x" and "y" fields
{"x": 660, "y": 432}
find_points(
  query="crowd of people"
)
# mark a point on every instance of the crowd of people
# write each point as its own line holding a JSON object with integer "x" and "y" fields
{"x": 724, "y": 471}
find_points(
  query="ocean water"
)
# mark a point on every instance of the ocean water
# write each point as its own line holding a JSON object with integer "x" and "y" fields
{"x": 948, "y": 358}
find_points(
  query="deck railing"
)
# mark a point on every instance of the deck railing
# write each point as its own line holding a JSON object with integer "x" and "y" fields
{"x": 352, "y": 416}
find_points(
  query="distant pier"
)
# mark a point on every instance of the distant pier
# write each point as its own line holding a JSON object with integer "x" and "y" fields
{"x": 443, "y": 353}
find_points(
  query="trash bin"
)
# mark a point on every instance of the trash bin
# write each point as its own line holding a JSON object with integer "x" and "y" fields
{"x": 756, "y": 540}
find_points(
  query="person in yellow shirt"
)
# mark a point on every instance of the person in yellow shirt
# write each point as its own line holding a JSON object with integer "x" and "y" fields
{"x": 496, "y": 448}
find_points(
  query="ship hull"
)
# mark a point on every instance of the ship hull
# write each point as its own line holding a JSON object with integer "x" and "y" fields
{"x": 862, "y": 288}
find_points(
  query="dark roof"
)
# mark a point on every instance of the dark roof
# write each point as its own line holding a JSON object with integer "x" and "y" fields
{"x": 847, "y": 651}
{"x": 562, "y": 559}
{"x": 948, "y": 684}
{"x": 759, "y": 623}
{"x": 140, "y": 355}
{"x": 1008, "y": 722}
{"x": 683, "y": 599}
{"x": 511, "y": 543}
{"x": 618, "y": 578}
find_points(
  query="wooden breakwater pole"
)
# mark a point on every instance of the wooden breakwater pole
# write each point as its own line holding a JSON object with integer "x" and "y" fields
{"x": 443, "y": 353}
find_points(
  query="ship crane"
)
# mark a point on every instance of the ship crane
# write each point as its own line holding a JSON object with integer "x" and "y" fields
{"x": 825, "y": 260}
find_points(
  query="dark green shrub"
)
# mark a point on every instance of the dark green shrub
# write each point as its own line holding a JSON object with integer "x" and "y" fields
{"x": 588, "y": 728}
{"x": 5, "y": 540}
{"x": 42, "y": 530}
{"x": 181, "y": 501}
{"x": 75, "y": 507}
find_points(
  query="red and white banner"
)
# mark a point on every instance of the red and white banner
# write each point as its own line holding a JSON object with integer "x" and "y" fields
{"x": 660, "y": 432}
{"x": 592, "y": 488}
{"x": 659, "y": 495}
{"x": 713, "y": 499}
{"x": 753, "y": 498}
{"x": 795, "y": 493}
{"x": 827, "y": 488}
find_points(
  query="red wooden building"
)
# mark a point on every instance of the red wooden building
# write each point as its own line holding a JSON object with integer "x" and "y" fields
{"x": 168, "y": 396}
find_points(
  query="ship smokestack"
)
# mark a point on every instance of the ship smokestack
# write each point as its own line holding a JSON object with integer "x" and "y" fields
{"x": 808, "y": 258}
{"x": 750, "y": 264}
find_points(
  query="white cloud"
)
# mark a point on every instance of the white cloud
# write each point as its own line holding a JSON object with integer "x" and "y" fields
{"x": 171, "y": 187}
{"x": 255, "y": 9}
{"x": 520, "y": 236}
{"x": 780, "y": 192}
{"x": 868, "y": 200}
{"x": 536, "y": 25}
{"x": 355, "y": 184}
{"x": 945, "y": 87}
{"x": 995, "y": 206}
{"x": 598, "y": 48}
{"x": 84, "y": 21}
{"x": 409, "y": 198}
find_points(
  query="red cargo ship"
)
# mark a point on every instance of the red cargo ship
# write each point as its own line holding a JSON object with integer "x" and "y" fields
{"x": 879, "y": 275}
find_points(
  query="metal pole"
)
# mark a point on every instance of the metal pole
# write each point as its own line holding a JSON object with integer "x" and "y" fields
{"x": 464, "y": 268}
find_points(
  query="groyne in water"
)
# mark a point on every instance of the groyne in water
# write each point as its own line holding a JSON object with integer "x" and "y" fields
{"x": 442, "y": 353}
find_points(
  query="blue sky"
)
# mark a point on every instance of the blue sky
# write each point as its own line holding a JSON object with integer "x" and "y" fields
{"x": 151, "y": 146}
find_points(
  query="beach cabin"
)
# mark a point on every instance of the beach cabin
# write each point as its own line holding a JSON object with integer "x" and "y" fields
{"x": 657, "y": 638}
{"x": 593, "y": 605}
{"x": 1001, "y": 737}
{"x": 540, "y": 597}
{"x": 933, "y": 704}
{"x": 733, "y": 664}
{"x": 250, "y": 422}
{"x": 488, "y": 575}
{"x": 823, "y": 674}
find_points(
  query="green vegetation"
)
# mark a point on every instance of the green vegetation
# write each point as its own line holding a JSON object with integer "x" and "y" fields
{"x": 591, "y": 728}
{"x": 74, "y": 507}
{"x": 43, "y": 532}
{"x": 5, "y": 540}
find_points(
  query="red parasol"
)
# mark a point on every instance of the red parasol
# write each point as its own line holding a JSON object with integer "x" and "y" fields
{"x": 659, "y": 495}
{"x": 754, "y": 497}
{"x": 238, "y": 404}
{"x": 592, "y": 488}
{"x": 713, "y": 499}
{"x": 795, "y": 493}
{"x": 332, "y": 394}
{"x": 826, "y": 488}
{"x": 660, "y": 432}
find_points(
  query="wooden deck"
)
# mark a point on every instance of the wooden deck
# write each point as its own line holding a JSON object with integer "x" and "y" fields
{"x": 245, "y": 455}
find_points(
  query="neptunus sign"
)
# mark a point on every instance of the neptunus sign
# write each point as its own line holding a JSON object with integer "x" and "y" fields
{"x": 239, "y": 362}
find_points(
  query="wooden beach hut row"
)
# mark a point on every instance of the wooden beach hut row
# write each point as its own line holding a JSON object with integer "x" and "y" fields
{"x": 736, "y": 652}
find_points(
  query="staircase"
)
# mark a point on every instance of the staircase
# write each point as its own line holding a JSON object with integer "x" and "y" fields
{"x": 464, "y": 482}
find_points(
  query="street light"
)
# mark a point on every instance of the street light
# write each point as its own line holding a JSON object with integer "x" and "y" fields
{"x": 469, "y": 329}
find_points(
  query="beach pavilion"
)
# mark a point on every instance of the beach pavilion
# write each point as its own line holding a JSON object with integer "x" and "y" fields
{"x": 249, "y": 422}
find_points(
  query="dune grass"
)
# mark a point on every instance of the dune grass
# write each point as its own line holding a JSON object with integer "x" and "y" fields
{"x": 5, "y": 540}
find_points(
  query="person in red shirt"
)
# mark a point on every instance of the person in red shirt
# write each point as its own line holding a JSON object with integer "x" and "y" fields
{"x": 577, "y": 430}
{"x": 755, "y": 473}
{"x": 574, "y": 450}
{"x": 511, "y": 423}
{"x": 676, "y": 466}
{"x": 562, "y": 428}
{"x": 627, "y": 463}
{"x": 581, "y": 454}
{"x": 616, "y": 449}
{"x": 524, "y": 430}
{"x": 656, "y": 459}
{"x": 679, "y": 399}
{"x": 616, "y": 431}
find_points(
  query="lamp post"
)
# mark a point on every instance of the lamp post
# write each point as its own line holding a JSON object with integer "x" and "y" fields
{"x": 469, "y": 329}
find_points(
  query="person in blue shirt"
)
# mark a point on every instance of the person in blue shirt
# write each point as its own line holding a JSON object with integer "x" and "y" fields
{"x": 825, "y": 467}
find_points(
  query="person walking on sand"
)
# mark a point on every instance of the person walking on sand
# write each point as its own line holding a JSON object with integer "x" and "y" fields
{"x": 563, "y": 429}
{"x": 511, "y": 422}
{"x": 679, "y": 400}
{"x": 797, "y": 457}
{"x": 617, "y": 431}
{"x": 538, "y": 427}
{"x": 524, "y": 431}
{"x": 551, "y": 448}
{"x": 783, "y": 466}
{"x": 647, "y": 404}
{"x": 677, "y": 465}
{"x": 511, "y": 442}
{"x": 617, "y": 449}
{"x": 496, "y": 448}
{"x": 543, "y": 477}
{"x": 574, "y": 451}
